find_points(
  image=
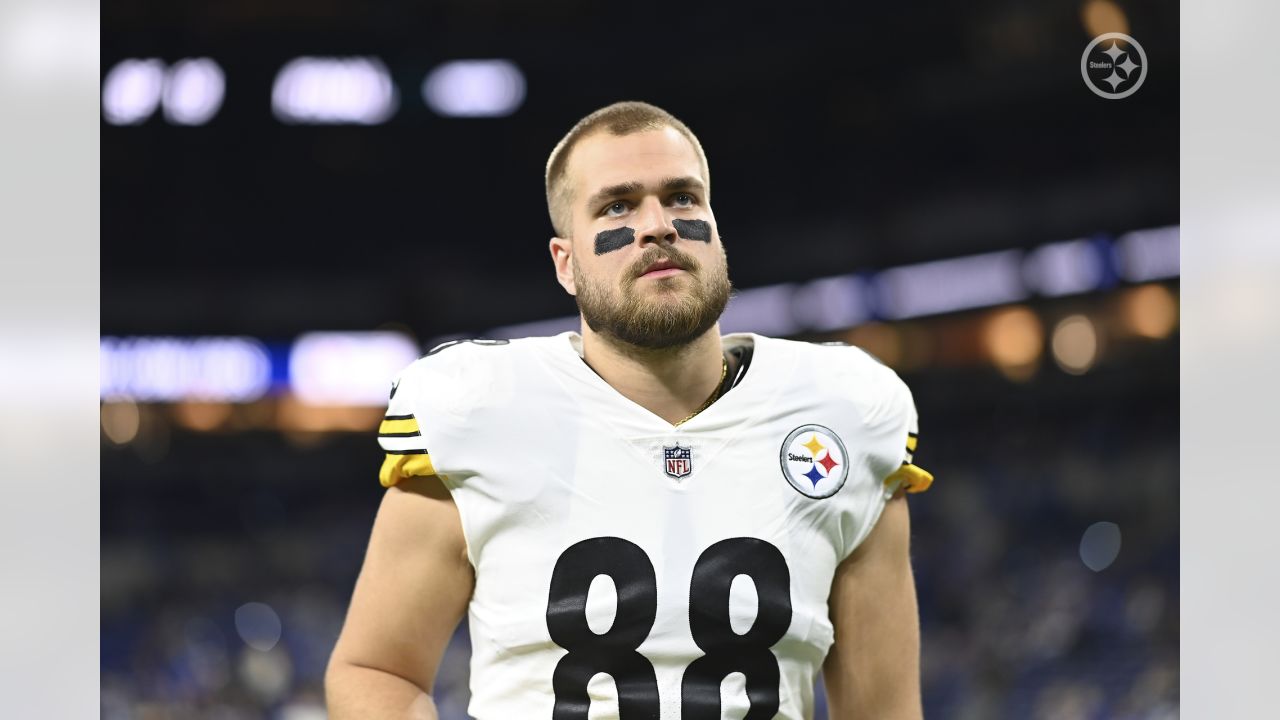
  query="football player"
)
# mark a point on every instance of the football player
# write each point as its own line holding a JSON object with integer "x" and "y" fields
{"x": 645, "y": 519}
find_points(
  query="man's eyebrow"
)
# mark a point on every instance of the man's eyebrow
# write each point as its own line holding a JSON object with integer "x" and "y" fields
{"x": 682, "y": 183}
{"x": 671, "y": 184}
{"x": 614, "y": 191}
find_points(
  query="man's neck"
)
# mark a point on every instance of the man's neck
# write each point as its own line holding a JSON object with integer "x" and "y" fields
{"x": 671, "y": 383}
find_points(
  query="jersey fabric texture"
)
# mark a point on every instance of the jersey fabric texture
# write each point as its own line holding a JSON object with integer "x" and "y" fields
{"x": 626, "y": 567}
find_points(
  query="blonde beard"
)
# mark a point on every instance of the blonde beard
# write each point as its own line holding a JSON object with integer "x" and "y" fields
{"x": 654, "y": 322}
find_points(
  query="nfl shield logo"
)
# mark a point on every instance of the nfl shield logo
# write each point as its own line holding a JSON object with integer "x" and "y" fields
{"x": 679, "y": 461}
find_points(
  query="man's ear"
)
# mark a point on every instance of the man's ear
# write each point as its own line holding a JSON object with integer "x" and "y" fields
{"x": 562, "y": 259}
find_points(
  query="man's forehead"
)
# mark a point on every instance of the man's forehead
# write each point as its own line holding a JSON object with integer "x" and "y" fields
{"x": 603, "y": 159}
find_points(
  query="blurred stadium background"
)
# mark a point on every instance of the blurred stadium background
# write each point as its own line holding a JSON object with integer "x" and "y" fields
{"x": 299, "y": 198}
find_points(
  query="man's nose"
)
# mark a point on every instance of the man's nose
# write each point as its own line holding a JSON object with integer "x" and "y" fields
{"x": 653, "y": 223}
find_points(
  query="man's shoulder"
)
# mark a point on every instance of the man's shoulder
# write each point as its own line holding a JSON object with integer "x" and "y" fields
{"x": 842, "y": 371}
{"x": 469, "y": 353}
{"x": 835, "y": 356}
{"x": 467, "y": 371}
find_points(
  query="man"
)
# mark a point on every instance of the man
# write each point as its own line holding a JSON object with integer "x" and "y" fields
{"x": 646, "y": 520}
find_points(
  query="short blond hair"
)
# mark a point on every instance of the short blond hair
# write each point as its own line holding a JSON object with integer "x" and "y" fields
{"x": 620, "y": 118}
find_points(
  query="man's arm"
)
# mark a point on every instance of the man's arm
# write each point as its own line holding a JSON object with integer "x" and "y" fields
{"x": 873, "y": 669}
{"x": 412, "y": 592}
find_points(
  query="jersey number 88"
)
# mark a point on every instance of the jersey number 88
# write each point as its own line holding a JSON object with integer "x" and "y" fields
{"x": 615, "y": 652}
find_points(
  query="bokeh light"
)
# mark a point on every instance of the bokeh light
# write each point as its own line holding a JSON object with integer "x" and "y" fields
{"x": 266, "y": 674}
{"x": 1150, "y": 311}
{"x": 1014, "y": 339}
{"x": 193, "y": 91}
{"x": 234, "y": 369}
{"x": 1103, "y": 16}
{"x": 474, "y": 88}
{"x": 258, "y": 625}
{"x": 348, "y": 368}
{"x": 334, "y": 91}
{"x": 1075, "y": 344}
{"x": 201, "y": 416}
{"x": 1100, "y": 545}
{"x": 131, "y": 91}
{"x": 120, "y": 421}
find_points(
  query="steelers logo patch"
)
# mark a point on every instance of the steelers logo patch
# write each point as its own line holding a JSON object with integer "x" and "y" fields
{"x": 814, "y": 461}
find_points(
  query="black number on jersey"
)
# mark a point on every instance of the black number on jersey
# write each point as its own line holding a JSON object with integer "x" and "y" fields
{"x": 727, "y": 651}
{"x": 615, "y": 652}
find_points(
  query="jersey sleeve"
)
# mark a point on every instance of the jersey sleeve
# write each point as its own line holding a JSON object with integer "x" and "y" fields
{"x": 401, "y": 433}
{"x": 908, "y": 476}
{"x": 891, "y": 425}
{"x": 430, "y": 424}
{"x": 883, "y": 437}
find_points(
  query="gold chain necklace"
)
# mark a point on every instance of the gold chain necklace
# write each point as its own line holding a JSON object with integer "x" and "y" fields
{"x": 715, "y": 394}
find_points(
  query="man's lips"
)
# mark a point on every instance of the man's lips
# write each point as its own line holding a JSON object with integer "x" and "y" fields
{"x": 665, "y": 272}
{"x": 662, "y": 268}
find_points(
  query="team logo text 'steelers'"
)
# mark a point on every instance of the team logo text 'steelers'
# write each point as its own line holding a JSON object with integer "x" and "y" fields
{"x": 814, "y": 461}
{"x": 678, "y": 461}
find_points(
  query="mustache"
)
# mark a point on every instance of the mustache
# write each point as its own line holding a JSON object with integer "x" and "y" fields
{"x": 663, "y": 252}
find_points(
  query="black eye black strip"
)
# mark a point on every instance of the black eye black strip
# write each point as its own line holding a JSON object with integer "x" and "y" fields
{"x": 693, "y": 229}
{"x": 616, "y": 239}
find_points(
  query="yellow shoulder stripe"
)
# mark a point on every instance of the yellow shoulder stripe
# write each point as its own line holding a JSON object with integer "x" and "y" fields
{"x": 911, "y": 442}
{"x": 396, "y": 467}
{"x": 910, "y": 477}
{"x": 400, "y": 427}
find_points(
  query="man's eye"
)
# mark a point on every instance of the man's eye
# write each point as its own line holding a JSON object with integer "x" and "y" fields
{"x": 620, "y": 207}
{"x": 683, "y": 199}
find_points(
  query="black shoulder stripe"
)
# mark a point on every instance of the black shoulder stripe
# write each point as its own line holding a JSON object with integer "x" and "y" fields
{"x": 421, "y": 451}
{"x": 415, "y": 433}
{"x": 398, "y": 417}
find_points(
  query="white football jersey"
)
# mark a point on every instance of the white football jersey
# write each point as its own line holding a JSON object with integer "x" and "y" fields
{"x": 628, "y": 568}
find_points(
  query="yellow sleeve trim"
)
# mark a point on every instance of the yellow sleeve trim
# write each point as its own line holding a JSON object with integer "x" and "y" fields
{"x": 397, "y": 467}
{"x": 910, "y": 477}
{"x": 911, "y": 442}
{"x": 399, "y": 426}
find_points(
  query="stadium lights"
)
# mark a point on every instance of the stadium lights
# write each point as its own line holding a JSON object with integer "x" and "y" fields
{"x": 765, "y": 310}
{"x": 166, "y": 369}
{"x": 131, "y": 91}
{"x": 191, "y": 92}
{"x": 1144, "y": 255}
{"x": 348, "y": 368}
{"x": 334, "y": 91}
{"x": 948, "y": 285}
{"x": 1064, "y": 268}
{"x": 831, "y": 303}
{"x": 474, "y": 88}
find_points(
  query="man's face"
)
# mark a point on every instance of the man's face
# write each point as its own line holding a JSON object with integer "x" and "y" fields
{"x": 645, "y": 261}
